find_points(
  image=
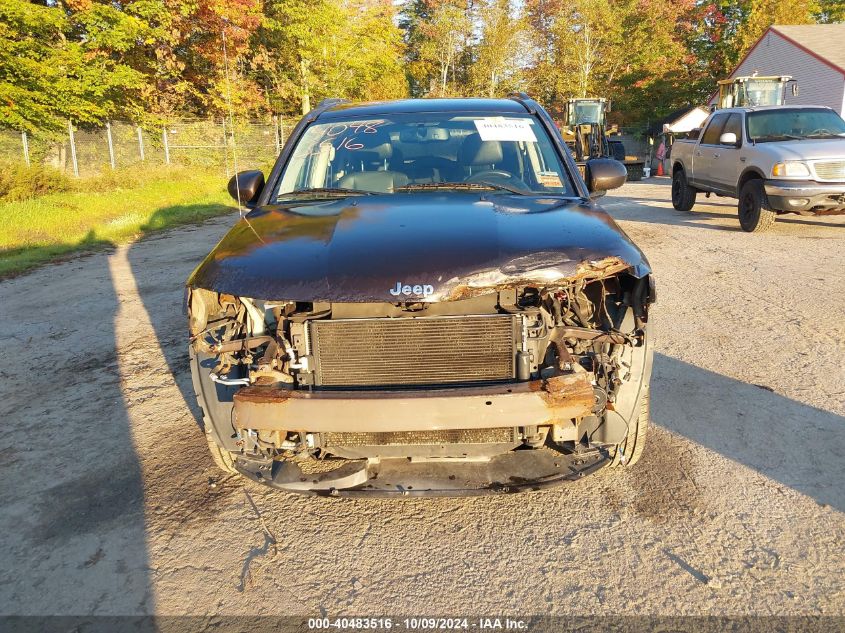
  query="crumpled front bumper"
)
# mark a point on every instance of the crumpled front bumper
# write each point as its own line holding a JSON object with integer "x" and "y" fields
{"x": 555, "y": 400}
{"x": 806, "y": 197}
{"x": 517, "y": 471}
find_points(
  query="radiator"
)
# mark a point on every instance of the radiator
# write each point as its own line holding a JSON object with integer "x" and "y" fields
{"x": 413, "y": 351}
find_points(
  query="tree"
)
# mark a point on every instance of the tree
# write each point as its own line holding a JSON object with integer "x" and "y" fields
{"x": 438, "y": 35}
{"x": 497, "y": 53}
{"x": 181, "y": 55}
{"x": 48, "y": 74}
{"x": 580, "y": 46}
{"x": 312, "y": 49}
{"x": 659, "y": 74}
{"x": 728, "y": 28}
{"x": 761, "y": 14}
{"x": 830, "y": 11}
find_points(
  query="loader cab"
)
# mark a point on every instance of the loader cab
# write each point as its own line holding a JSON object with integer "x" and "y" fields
{"x": 584, "y": 128}
{"x": 754, "y": 90}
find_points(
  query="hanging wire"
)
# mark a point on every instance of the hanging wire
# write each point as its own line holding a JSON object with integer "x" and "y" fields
{"x": 231, "y": 121}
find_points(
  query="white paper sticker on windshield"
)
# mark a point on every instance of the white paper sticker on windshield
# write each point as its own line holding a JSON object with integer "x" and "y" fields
{"x": 501, "y": 129}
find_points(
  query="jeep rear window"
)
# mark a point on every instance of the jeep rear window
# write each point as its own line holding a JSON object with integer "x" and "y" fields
{"x": 400, "y": 153}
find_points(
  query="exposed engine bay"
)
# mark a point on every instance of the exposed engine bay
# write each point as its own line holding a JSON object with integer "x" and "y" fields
{"x": 387, "y": 372}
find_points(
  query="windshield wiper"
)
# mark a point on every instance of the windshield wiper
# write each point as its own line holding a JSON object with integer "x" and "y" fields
{"x": 465, "y": 186}
{"x": 772, "y": 138}
{"x": 830, "y": 135}
{"x": 340, "y": 192}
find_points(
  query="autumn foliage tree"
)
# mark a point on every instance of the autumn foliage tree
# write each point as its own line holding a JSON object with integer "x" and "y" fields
{"x": 306, "y": 50}
{"x": 150, "y": 60}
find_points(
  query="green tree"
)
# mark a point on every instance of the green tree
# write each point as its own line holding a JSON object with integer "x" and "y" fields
{"x": 49, "y": 73}
{"x": 580, "y": 47}
{"x": 498, "y": 63}
{"x": 830, "y": 11}
{"x": 306, "y": 50}
{"x": 439, "y": 37}
{"x": 761, "y": 14}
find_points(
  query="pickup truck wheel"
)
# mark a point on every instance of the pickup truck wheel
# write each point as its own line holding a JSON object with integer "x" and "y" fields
{"x": 683, "y": 196}
{"x": 634, "y": 443}
{"x": 753, "y": 216}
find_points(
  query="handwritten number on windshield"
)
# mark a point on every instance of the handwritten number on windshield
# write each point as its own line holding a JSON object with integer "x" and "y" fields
{"x": 356, "y": 127}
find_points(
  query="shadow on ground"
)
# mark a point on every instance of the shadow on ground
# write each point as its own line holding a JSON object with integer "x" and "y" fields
{"x": 15, "y": 261}
{"x": 72, "y": 494}
{"x": 795, "y": 444}
{"x": 646, "y": 211}
{"x": 160, "y": 284}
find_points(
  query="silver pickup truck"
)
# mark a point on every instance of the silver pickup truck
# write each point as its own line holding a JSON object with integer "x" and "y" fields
{"x": 774, "y": 160}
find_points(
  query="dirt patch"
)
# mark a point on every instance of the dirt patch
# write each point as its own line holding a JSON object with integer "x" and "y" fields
{"x": 111, "y": 503}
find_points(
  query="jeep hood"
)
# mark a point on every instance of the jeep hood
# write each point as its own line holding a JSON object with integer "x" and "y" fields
{"x": 360, "y": 248}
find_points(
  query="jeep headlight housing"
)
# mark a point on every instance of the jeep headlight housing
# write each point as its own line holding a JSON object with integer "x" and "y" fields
{"x": 791, "y": 169}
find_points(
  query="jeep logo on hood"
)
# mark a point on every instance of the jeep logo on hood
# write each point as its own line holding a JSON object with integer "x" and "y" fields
{"x": 410, "y": 291}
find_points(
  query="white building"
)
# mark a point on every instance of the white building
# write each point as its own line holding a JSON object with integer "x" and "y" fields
{"x": 685, "y": 120}
{"x": 813, "y": 54}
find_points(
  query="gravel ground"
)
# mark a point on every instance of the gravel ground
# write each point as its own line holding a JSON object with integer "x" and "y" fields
{"x": 111, "y": 505}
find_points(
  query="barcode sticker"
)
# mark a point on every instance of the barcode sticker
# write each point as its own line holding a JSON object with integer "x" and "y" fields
{"x": 501, "y": 129}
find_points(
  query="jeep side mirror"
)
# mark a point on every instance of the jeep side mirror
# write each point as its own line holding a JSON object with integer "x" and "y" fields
{"x": 246, "y": 186}
{"x": 603, "y": 174}
{"x": 728, "y": 138}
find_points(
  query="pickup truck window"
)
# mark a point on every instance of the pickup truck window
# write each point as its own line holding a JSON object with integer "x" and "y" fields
{"x": 794, "y": 124}
{"x": 714, "y": 130}
{"x": 733, "y": 124}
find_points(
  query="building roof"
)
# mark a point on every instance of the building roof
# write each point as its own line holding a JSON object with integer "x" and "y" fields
{"x": 672, "y": 119}
{"x": 410, "y": 106}
{"x": 823, "y": 41}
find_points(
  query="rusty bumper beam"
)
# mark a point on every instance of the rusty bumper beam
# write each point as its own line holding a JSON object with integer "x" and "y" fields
{"x": 554, "y": 401}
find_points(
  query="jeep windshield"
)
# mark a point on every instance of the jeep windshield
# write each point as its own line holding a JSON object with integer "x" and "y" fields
{"x": 402, "y": 154}
{"x": 794, "y": 124}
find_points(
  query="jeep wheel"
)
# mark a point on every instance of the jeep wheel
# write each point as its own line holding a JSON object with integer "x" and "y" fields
{"x": 211, "y": 408}
{"x": 222, "y": 458}
{"x": 683, "y": 196}
{"x": 753, "y": 215}
{"x": 628, "y": 452}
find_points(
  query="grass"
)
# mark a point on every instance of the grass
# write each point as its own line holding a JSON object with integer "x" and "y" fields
{"x": 105, "y": 213}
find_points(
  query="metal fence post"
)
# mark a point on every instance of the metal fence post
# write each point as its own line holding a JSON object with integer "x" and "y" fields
{"x": 140, "y": 144}
{"x": 25, "y": 143}
{"x": 166, "y": 146}
{"x": 111, "y": 143}
{"x": 72, "y": 149}
{"x": 277, "y": 134}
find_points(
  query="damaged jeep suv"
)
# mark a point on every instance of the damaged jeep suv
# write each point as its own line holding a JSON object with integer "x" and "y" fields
{"x": 423, "y": 299}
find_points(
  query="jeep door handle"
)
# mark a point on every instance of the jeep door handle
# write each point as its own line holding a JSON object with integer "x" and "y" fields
{"x": 716, "y": 155}
{"x": 742, "y": 158}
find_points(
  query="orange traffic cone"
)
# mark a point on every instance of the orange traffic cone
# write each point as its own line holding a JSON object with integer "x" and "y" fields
{"x": 660, "y": 168}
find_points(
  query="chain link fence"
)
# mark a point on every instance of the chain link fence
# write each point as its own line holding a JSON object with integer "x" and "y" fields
{"x": 209, "y": 143}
